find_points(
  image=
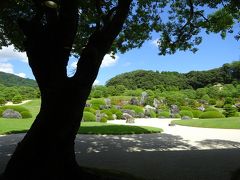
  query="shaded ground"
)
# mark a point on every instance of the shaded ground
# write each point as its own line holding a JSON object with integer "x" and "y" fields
{"x": 152, "y": 156}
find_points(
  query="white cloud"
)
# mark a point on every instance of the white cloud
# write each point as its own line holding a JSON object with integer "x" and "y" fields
{"x": 6, "y": 67}
{"x": 155, "y": 42}
{"x": 23, "y": 75}
{"x": 96, "y": 82}
{"x": 109, "y": 61}
{"x": 9, "y": 53}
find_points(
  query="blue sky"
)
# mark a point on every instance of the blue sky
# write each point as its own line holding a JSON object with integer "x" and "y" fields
{"x": 213, "y": 52}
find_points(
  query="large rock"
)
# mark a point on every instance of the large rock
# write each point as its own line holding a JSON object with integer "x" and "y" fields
{"x": 108, "y": 102}
{"x": 99, "y": 116}
{"x": 186, "y": 118}
{"x": 134, "y": 101}
{"x": 128, "y": 111}
{"x": 148, "y": 109}
{"x": 10, "y": 113}
{"x": 156, "y": 103}
{"x": 128, "y": 118}
{"x": 143, "y": 98}
{"x": 201, "y": 108}
{"x": 174, "y": 109}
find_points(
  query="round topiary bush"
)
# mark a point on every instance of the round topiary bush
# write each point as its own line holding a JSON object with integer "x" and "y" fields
{"x": 19, "y": 109}
{"x": 137, "y": 109}
{"x": 89, "y": 117}
{"x": 96, "y": 103}
{"x": 152, "y": 114}
{"x": 117, "y": 112}
{"x": 211, "y": 114}
{"x": 89, "y": 109}
{"x": 186, "y": 113}
{"x": 211, "y": 109}
{"x": 103, "y": 120}
{"x": 108, "y": 113}
{"x": 196, "y": 113}
{"x": 164, "y": 114}
{"x": 26, "y": 114}
{"x": 185, "y": 108}
{"x": 176, "y": 116}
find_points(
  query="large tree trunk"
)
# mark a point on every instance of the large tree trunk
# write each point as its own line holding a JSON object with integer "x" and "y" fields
{"x": 47, "y": 150}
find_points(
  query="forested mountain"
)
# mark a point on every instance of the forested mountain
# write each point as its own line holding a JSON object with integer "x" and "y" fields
{"x": 7, "y": 79}
{"x": 227, "y": 74}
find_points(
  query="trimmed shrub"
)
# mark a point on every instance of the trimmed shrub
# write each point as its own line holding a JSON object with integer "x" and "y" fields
{"x": 212, "y": 101}
{"x": 108, "y": 113}
{"x": 103, "y": 120}
{"x": 211, "y": 114}
{"x": 219, "y": 104}
{"x": 1, "y": 111}
{"x": 186, "y": 113}
{"x": 164, "y": 114}
{"x": 89, "y": 109}
{"x": 177, "y": 116}
{"x": 17, "y": 99}
{"x": 2, "y": 101}
{"x": 117, "y": 112}
{"x": 211, "y": 109}
{"x": 89, "y": 117}
{"x": 196, "y": 113}
{"x": 186, "y": 108}
{"x": 228, "y": 100}
{"x": 19, "y": 109}
{"x": 152, "y": 114}
{"x": 26, "y": 114}
{"x": 137, "y": 109}
{"x": 229, "y": 110}
{"x": 96, "y": 103}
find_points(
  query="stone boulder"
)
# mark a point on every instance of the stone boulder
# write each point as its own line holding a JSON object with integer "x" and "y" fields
{"x": 186, "y": 118}
{"x": 134, "y": 101}
{"x": 143, "y": 98}
{"x": 108, "y": 102}
{"x": 10, "y": 113}
{"x": 201, "y": 108}
{"x": 128, "y": 118}
{"x": 156, "y": 103}
{"x": 174, "y": 109}
{"x": 128, "y": 111}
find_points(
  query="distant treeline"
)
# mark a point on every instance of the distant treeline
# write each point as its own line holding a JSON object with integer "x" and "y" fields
{"x": 227, "y": 74}
{"x": 9, "y": 80}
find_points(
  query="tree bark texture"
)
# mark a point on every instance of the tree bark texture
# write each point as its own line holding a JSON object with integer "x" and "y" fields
{"x": 47, "y": 150}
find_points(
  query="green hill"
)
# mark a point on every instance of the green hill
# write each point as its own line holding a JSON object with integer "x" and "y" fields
{"x": 227, "y": 74}
{"x": 12, "y": 80}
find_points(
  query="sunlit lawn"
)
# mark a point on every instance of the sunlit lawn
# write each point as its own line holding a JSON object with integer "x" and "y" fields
{"x": 225, "y": 123}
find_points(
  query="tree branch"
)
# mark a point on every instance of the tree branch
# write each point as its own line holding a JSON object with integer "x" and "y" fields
{"x": 99, "y": 44}
{"x": 181, "y": 31}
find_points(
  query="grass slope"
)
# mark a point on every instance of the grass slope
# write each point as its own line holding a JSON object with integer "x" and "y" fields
{"x": 103, "y": 128}
{"x": 223, "y": 123}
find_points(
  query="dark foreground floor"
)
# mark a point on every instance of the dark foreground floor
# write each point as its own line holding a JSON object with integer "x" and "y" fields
{"x": 148, "y": 156}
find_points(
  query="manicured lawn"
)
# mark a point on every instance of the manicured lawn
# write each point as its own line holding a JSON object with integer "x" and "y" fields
{"x": 104, "y": 128}
{"x": 9, "y": 126}
{"x": 224, "y": 123}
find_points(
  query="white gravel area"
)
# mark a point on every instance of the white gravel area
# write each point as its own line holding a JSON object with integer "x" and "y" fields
{"x": 197, "y": 137}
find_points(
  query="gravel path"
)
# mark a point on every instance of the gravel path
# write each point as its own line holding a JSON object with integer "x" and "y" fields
{"x": 180, "y": 153}
{"x": 200, "y": 138}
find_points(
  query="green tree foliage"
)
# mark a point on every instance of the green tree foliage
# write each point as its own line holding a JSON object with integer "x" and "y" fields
{"x": 17, "y": 99}
{"x": 13, "y": 80}
{"x": 173, "y": 81}
{"x": 229, "y": 110}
